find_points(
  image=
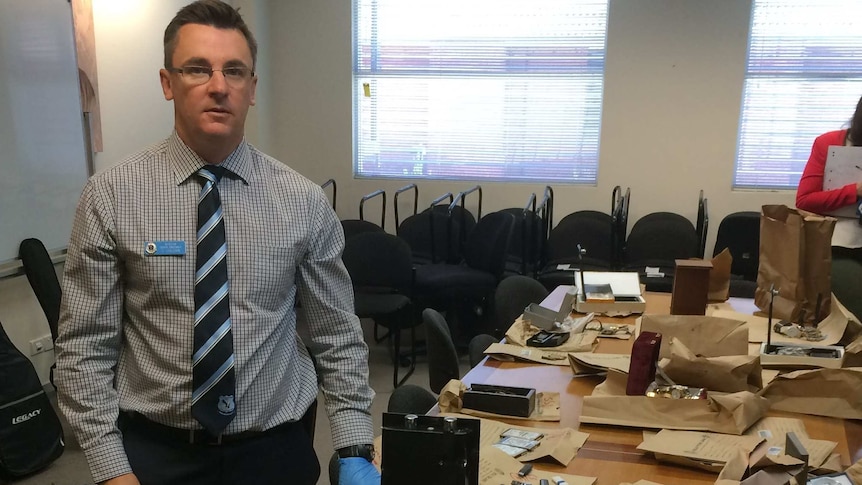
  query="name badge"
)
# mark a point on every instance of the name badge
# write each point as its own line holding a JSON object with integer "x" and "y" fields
{"x": 165, "y": 248}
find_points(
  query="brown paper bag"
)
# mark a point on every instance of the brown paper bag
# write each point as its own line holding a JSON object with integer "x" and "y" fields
{"x": 795, "y": 257}
{"x": 822, "y": 392}
{"x": 729, "y": 413}
{"x": 729, "y": 373}
{"x": 719, "y": 276}
{"x": 703, "y": 335}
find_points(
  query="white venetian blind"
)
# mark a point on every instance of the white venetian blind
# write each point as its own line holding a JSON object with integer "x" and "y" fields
{"x": 804, "y": 78}
{"x": 478, "y": 89}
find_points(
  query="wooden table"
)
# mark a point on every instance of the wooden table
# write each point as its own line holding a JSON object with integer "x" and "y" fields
{"x": 611, "y": 452}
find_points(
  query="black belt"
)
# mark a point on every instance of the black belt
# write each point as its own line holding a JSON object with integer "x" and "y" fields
{"x": 151, "y": 428}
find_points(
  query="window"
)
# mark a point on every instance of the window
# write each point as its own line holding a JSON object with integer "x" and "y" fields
{"x": 478, "y": 89}
{"x": 804, "y": 78}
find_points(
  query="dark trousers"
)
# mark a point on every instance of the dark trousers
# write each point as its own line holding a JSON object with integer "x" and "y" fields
{"x": 280, "y": 456}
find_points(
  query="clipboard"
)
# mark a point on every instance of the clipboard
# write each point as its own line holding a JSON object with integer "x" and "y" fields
{"x": 843, "y": 166}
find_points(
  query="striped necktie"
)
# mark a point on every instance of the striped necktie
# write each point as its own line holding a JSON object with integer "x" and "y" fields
{"x": 213, "y": 377}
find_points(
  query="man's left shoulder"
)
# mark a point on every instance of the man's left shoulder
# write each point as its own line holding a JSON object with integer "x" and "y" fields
{"x": 272, "y": 169}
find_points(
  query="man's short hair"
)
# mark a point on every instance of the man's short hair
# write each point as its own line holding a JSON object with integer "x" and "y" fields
{"x": 214, "y": 13}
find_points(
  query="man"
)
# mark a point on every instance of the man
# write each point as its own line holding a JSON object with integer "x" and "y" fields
{"x": 179, "y": 359}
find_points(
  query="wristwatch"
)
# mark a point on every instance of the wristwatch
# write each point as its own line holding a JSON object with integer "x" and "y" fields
{"x": 362, "y": 451}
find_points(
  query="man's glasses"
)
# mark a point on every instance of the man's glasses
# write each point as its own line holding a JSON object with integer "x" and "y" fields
{"x": 235, "y": 77}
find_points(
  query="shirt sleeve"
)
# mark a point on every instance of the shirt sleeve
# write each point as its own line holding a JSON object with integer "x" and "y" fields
{"x": 810, "y": 195}
{"x": 334, "y": 336}
{"x": 89, "y": 338}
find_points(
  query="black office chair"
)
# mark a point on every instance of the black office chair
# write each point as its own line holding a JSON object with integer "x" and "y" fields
{"x": 442, "y": 356}
{"x": 381, "y": 268}
{"x": 658, "y": 240}
{"x": 411, "y": 399}
{"x": 43, "y": 280}
{"x": 477, "y": 347}
{"x": 528, "y": 234}
{"x": 354, "y": 227}
{"x": 447, "y": 228}
{"x": 461, "y": 289}
{"x": 593, "y": 231}
{"x": 739, "y": 232}
{"x": 512, "y": 295}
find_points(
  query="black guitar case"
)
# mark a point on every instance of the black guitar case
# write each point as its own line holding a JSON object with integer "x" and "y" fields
{"x": 31, "y": 436}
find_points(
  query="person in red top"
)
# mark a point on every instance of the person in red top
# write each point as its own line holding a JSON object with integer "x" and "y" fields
{"x": 847, "y": 237}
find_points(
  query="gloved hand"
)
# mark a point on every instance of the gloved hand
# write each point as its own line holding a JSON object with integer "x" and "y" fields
{"x": 357, "y": 471}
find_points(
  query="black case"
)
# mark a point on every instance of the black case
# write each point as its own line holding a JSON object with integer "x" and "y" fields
{"x": 430, "y": 452}
{"x": 31, "y": 436}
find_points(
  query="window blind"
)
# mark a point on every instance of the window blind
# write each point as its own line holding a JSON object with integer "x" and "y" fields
{"x": 804, "y": 78}
{"x": 478, "y": 90}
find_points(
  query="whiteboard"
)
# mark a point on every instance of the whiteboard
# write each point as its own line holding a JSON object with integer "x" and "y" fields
{"x": 43, "y": 164}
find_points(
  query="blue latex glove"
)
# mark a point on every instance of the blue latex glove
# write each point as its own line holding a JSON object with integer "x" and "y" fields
{"x": 357, "y": 471}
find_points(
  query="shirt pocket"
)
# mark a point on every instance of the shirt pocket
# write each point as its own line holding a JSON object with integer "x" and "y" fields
{"x": 272, "y": 281}
{"x": 161, "y": 278}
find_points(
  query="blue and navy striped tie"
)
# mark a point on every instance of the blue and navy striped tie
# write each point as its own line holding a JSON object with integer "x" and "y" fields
{"x": 213, "y": 377}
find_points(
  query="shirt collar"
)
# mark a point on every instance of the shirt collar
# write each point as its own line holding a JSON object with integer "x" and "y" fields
{"x": 185, "y": 162}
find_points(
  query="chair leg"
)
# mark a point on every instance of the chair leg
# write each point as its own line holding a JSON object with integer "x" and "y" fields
{"x": 381, "y": 338}
{"x": 396, "y": 343}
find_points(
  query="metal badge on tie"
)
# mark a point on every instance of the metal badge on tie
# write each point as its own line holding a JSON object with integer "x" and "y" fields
{"x": 226, "y": 405}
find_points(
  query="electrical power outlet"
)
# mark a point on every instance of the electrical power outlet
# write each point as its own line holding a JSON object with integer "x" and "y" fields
{"x": 41, "y": 344}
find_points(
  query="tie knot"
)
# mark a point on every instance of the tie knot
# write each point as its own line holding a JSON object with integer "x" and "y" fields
{"x": 213, "y": 173}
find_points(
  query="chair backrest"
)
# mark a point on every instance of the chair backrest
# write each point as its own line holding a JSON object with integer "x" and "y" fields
{"x": 526, "y": 242}
{"x": 43, "y": 279}
{"x": 488, "y": 243}
{"x": 702, "y": 226}
{"x": 660, "y": 238}
{"x": 379, "y": 261}
{"x": 442, "y": 356}
{"x": 740, "y": 232}
{"x": 354, "y": 227}
{"x": 593, "y": 230}
{"x": 512, "y": 295}
{"x": 478, "y": 345}
{"x": 445, "y": 246}
{"x": 411, "y": 399}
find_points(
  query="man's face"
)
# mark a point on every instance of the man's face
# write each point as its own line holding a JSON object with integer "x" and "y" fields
{"x": 213, "y": 113}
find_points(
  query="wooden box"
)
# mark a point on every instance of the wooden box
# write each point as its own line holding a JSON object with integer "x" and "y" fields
{"x": 690, "y": 287}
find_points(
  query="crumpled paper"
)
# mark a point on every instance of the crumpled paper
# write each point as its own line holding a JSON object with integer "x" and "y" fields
{"x": 729, "y": 373}
{"x": 821, "y": 392}
{"x": 730, "y": 413}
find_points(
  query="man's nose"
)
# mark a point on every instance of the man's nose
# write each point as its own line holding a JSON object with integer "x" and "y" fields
{"x": 217, "y": 83}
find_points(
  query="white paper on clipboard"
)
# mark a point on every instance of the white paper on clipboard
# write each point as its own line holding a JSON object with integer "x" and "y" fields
{"x": 843, "y": 166}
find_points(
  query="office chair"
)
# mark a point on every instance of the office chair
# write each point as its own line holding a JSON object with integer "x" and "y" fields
{"x": 593, "y": 231}
{"x": 477, "y": 347}
{"x": 447, "y": 228}
{"x": 524, "y": 253}
{"x": 461, "y": 289}
{"x": 658, "y": 240}
{"x": 411, "y": 399}
{"x": 354, "y": 227}
{"x": 381, "y": 269}
{"x": 442, "y": 357}
{"x": 739, "y": 232}
{"x": 512, "y": 295}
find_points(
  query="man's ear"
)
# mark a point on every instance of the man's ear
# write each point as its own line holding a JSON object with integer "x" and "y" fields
{"x": 167, "y": 88}
{"x": 253, "y": 90}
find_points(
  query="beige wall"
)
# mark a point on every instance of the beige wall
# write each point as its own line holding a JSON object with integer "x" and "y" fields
{"x": 673, "y": 85}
